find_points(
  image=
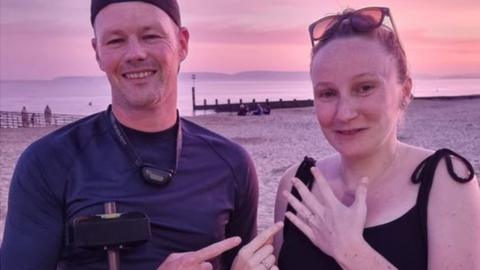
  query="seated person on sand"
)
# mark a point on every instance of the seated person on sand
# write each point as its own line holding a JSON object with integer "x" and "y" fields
{"x": 266, "y": 109}
{"x": 377, "y": 203}
{"x": 243, "y": 110}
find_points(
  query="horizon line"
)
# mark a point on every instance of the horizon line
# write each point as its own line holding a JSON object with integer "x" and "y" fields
{"x": 258, "y": 72}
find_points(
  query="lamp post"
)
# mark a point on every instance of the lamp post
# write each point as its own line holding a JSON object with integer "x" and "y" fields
{"x": 194, "y": 77}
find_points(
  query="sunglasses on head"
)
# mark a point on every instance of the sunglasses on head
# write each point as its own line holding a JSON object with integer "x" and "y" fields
{"x": 362, "y": 20}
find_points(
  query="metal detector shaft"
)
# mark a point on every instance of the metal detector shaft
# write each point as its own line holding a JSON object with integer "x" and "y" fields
{"x": 113, "y": 254}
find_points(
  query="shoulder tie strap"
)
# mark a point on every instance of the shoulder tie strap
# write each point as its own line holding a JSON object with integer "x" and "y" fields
{"x": 435, "y": 158}
{"x": 424, "y": 174}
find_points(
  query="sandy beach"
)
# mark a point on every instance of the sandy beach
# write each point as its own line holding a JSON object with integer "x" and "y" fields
{"x": 283, "y": 138}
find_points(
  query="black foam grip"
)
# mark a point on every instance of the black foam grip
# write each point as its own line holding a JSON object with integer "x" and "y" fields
{"x": 129, "y": 229}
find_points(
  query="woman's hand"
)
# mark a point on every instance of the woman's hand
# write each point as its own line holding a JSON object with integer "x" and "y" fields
{"x": 258, "y": 254}
{"x": 327, "y": 222}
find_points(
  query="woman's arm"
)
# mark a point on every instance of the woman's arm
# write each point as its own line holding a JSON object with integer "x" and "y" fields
{"x": 453, "y": 220}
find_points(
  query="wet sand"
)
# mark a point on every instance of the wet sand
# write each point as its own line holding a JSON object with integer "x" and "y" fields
{"x": 283, "y": 138}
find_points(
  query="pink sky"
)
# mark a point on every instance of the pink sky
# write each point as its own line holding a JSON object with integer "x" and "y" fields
{"x": 44, "y": 39}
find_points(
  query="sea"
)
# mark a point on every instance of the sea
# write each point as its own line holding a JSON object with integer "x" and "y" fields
{"x": 88, "y": 95}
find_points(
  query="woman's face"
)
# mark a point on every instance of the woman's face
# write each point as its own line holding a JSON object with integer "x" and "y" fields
{"x": 357, "y": 95}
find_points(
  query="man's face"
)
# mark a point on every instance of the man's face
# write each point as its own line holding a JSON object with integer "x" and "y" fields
{"x": 140, "y": 49}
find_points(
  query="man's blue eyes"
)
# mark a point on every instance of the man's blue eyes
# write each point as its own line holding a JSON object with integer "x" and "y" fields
{"x": 115, "y": 41}
{"x": 120, "y": 40}
{"x": 327, "y": 94}
{"x": 151, "y": 36}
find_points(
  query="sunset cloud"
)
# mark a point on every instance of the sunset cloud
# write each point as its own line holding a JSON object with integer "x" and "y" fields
{"x": 43, "y": 39}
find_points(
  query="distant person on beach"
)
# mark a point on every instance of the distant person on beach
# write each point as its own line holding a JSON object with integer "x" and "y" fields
{"x": 24, "y": 116}
{"x": 198, "y": 189}
{"x": 32, "y": 119}
{"x": 378, "y": 203}
{"x": 48, "y": 115}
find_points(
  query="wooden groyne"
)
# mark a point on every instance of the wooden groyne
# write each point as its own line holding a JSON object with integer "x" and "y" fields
{"x": 473, "y": 96}
{"x": 283, "y": 104}
{"x": 234, "y": 107}
{"x": 15, "y": 119}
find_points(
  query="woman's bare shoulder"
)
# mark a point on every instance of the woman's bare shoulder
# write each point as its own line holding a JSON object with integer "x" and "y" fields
{"x": 412, "y": 157}
{"x": 460, "y": 168}
{"x": 417, "y": 154}
{"x": 453, "y": 214}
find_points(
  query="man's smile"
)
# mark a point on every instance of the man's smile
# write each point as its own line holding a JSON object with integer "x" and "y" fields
{"x": 138, "y": 74}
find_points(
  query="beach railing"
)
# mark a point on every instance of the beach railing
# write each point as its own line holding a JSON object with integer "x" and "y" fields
{"x": 17, "y": 120}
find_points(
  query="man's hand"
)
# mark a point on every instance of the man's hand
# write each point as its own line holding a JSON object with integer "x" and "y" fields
{"x": 198, "y": 260}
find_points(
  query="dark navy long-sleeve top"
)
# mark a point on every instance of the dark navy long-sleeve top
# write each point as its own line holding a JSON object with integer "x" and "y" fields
{"x": 73, "y": 171}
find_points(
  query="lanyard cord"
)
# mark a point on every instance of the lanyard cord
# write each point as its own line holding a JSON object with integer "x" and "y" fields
{"x": 123, "y": 138}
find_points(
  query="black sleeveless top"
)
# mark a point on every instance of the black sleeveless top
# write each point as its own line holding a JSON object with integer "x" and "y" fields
{"x": 403, "y": 241}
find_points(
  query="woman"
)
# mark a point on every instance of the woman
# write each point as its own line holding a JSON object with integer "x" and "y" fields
{"x": 422, "y": 208}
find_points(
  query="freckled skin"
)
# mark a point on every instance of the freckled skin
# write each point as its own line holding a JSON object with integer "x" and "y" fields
{"x": 376, "y": 110}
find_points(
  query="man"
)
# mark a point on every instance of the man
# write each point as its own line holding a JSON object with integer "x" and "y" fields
{"x": 196, "y": 187}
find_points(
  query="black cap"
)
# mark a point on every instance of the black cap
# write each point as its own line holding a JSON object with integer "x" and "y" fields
{"x": 169, "y": 6}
